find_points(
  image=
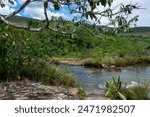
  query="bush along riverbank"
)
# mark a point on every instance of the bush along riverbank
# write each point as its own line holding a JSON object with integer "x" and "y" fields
{"x": 115, "y": 90}
{"x": 104, "y": 62}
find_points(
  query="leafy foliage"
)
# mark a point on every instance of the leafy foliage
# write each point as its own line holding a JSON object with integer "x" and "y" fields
{"x": 81, "y": 93}
{"x": 22, "y": 55}
{"x": 113, "y": 89}
{"x": 87, "y": 10}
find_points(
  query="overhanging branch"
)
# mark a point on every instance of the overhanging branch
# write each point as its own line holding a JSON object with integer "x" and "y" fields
{"x": 17, "y": 11}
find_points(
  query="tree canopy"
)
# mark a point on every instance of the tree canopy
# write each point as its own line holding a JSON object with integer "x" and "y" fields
{"x": 88, "y": 10}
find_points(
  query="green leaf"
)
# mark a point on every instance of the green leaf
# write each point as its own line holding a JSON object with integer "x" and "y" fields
{"x": 121, "y": 96}
{"x": 109, "y": 2}
{"x": 107, "y": 84}
{"x": 114, "y": 80}
{"x": 11, "y": 2}
{"x": 107, "y": 93}
{"x": 103, "y": 2}
{"x": 2, "y": 5}
{"x": 56, "y": 6}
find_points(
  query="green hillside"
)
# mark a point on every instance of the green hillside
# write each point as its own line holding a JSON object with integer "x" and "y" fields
{"x": 20, "y": 20}
{"x": 23, "y": 53}
{"x": 141, "y": 30}
{"x": 135, "y": 30}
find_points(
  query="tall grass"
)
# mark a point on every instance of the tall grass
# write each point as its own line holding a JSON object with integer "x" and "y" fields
{"x": 118, "y": 62}
{"x": 52, "y": 75}
{"x": 138, "y": 92}
{"x": 114, "y": 90}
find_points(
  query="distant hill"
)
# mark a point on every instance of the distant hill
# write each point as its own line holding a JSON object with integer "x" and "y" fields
{"x": 141, "y": 30}
{"x": 20, "y": 20}
{"x": 135, "y": 30}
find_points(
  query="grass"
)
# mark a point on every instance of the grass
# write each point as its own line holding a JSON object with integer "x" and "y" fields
{"x": 81, "y": 93}
{"x": 51, "y": 75}
{"x": 138, "y": 92}
{"x": 118, "y": 62}
{"x": 114, "y": 90}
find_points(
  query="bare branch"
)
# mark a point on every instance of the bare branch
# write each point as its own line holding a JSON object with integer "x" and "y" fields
{"x": 20, "y": 9}
{"x": 62, "y": 32}
{"x": 45, "y": 13}
{"x": 21, "y": 26}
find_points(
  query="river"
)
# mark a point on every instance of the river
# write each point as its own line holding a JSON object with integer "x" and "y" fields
{"x": 91, "y": 78}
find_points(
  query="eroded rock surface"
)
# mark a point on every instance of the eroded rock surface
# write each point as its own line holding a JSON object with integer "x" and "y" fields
{"x": 37, "y": 91}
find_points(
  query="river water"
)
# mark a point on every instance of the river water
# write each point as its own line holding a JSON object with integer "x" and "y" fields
{"x": 95, "y": 78}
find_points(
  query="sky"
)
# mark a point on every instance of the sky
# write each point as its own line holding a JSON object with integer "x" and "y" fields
{"x": 35, "y": 10}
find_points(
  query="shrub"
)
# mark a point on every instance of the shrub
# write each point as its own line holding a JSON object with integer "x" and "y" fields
{"x": 114, "y": 88}
{"x": 92, "y": 63}
{"x": 108, "y": 60}
{"x": 23, "y": 55}
{"x": 12, "y": 53}
{"x": 138, "y": 92}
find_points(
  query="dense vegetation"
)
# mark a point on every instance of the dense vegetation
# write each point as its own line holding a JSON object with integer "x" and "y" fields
{"x": 24, "y": 54}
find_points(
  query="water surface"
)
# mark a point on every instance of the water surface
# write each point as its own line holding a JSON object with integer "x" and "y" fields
{"x": 96, "y": 78}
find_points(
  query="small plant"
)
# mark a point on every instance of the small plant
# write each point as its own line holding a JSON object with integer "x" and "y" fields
{"x": 81, "y": 93}
{"x": 139, "y": 92}
{"x": 113, "y": 89}
{"x": 54, "y": 60}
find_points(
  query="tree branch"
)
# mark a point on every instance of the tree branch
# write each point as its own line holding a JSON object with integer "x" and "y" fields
{"x": 21, "y": 26}
{"x": 20, "y": 9}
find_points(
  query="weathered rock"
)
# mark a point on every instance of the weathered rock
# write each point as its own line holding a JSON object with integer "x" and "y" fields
{"x": 95, "y": 95}
{"x": 105, "y": 66}
{"x": 37, "y": 91}
{"x": 73, "y": 91}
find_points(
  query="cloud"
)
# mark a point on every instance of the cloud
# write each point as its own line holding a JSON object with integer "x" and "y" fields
{"x": 35, "y": 10}
{"x": 38, "y": 13}
{"x": 6, "y": 10}
{"x": 144, "y": 14}
{"x": 9, "y": 4}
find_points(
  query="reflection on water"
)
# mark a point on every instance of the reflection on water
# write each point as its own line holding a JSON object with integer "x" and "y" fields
{"x": 94, "y": 78}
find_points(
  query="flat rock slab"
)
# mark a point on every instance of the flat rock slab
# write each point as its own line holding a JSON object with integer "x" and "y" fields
{"x": 37, "y": 91}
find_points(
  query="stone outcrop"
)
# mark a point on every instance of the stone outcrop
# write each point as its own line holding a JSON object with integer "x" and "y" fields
{"x": 37, "y": 91}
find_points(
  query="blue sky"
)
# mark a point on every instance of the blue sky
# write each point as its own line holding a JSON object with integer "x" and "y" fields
{"x": 35, "y": 10}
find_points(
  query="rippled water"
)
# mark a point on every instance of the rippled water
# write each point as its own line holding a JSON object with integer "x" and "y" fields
{"x": 95, "y": 78}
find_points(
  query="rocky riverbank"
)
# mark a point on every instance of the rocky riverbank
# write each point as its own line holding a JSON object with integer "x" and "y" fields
{"x": 37, "y": 91}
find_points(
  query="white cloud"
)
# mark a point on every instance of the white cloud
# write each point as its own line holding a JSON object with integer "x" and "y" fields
{"x": 144, "y": 14}
{"x": 6, "y": 10}
{"x": 9, "y": 4}
{"x": 35, "y": 10}
{"x": 38, "y": 13}
{"x": 8, "y": 7}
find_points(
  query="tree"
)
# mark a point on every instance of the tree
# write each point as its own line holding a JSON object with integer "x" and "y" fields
{"x": 88, "y": 10}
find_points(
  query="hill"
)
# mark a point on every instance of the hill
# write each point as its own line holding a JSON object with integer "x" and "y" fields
{"x": 141, "y": 30}
{"x": 136, "y": 30}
